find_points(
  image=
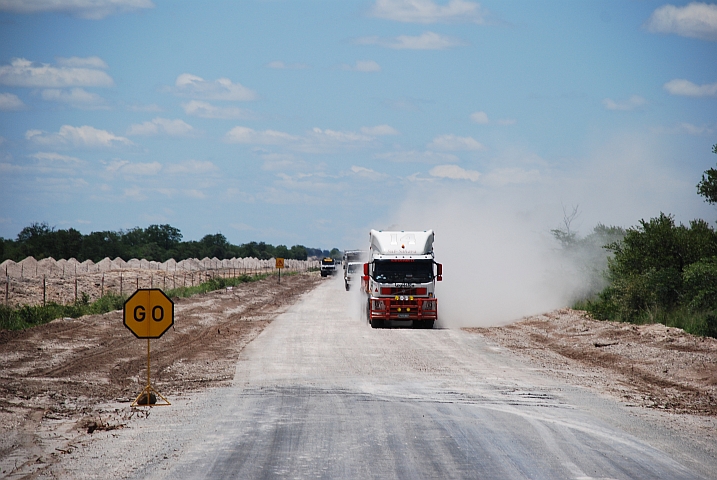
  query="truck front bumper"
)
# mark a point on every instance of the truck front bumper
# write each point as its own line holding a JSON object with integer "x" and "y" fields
{"x": 389, "y": 309}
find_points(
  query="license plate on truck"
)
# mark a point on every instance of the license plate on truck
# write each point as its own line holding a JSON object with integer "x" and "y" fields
{"x": 403, "y": 315}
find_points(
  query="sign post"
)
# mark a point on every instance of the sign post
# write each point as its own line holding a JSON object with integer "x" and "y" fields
{"x": 148, "y": 313}
{"x": 279, "y": 265}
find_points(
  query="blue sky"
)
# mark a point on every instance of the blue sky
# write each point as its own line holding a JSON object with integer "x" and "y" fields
{"x": 308, "y": 121}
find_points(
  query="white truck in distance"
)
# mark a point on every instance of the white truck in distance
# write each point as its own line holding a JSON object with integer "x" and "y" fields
{"x": 353, "y": 267}
{"x": 400, "y": 279}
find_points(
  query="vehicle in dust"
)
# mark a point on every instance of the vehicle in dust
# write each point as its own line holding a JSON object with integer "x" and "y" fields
{"x": 328, "y": 267}
{"x": 353, "y": 261}
{"x": 399, "y": 279}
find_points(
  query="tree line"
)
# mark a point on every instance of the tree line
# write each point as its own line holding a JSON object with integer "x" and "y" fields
{"x": 155, "y": 243}
{"x": 658, "y": 271}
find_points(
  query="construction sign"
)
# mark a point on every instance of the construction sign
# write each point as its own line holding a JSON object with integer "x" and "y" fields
{"x": 148, "y": 313}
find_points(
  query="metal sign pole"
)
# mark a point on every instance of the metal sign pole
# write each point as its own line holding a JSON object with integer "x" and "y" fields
{"x": 148, "y": 384}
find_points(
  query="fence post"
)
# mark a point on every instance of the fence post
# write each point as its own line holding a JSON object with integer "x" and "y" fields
{"x": 7, "y": 289}
{"x": 75, "y": 284}
{"x": 44, "y": 291}
{"x": 102, "y": 286}
{"x": 120, "y": 283}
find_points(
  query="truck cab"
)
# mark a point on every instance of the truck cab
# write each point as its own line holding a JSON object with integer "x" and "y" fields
{"x": 328, "y": 267}
{"x": 400, "y": 279}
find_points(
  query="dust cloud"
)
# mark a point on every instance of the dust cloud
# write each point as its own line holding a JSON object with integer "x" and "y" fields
{"x": 499, "y": 263}
{"x": 500, "y": 260}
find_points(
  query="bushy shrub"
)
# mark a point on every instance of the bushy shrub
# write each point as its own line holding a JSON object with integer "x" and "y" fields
{"x": 700, "y": 281}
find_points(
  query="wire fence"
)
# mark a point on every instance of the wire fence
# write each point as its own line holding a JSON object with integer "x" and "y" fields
{"x": 32, "y": 282}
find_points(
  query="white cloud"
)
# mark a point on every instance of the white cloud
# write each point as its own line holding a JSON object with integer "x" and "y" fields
{"x": 324, "y": 141}
{"x": 413, "y": 156}
{"x": 191, "y": 167}
{"x": 368, "y": 173}
{"x": 687, "y": 88}
{"x": 315, "y": 141}
{"x": 696, "y": 20}
{"x": 480, "y": 117}
{"x": 173, "y": 128}
{"x": 427, "y": 11}
{"x": 453, "y": 143}
{"x": 142, "y": 169}
{"x": 87, "y": 9}
{"x": 8, "y": 102}
{"x": 189, "y": 85}
{"x": 76, "y": 97}
{"x": 84, "y": 136}
{"x": 281, "y": 161}
{"x": 454, "y": 172}
{"x": 251, "y": 136}
{"x": 379, "y": 130}
{"x": 362, "y": 66}
{"x": 24, "y": 73}
{"x": 207, "y": 110}
{"x": 507, "y": 121}
{"x": 55, "y": 157}
{"x": 125, "y": 167}
{"x": 279, "y": 65}
{"x": 631, "y": 103}
{"x": 425, "y": 41}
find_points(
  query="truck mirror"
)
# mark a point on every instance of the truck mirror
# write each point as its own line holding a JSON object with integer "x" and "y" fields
{"x": 440, "y": 269}
{"x": 365, "y": 269}
{"x": 439, "y": 278}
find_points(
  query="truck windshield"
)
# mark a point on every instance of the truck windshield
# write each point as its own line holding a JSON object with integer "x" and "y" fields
{"x": 355, "y": 267}
{"x": 387, "y": 271}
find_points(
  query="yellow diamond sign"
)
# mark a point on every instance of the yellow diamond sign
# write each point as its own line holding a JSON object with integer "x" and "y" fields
{"x": 148, "y": 313}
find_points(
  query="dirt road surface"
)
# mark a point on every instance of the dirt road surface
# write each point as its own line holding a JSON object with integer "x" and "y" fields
{"x": 318, "y": 393}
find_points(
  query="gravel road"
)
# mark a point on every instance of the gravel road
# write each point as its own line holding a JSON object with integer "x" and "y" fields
{"x": 320, "y": 394}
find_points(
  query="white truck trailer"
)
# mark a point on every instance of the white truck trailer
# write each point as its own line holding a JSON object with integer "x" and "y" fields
{"x": 400, "y": 279}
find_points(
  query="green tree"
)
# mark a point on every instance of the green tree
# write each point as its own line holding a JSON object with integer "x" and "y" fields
{"x": 708, "y": 185}
{"x": 165, "y": 236}
{"x": 298, "y": 252}
{"x": 35, "y": 240}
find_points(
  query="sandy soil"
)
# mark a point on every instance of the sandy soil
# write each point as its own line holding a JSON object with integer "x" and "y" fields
{"x": 56, "y": 380}
{"x": 649, "y": 366}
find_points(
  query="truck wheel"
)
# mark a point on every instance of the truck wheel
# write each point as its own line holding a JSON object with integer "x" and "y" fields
{"x": 323, "y": 274}
{"x": 427, "y": 324}
{"x": 347, "y": 286}
{"x": 376, "y": 323}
